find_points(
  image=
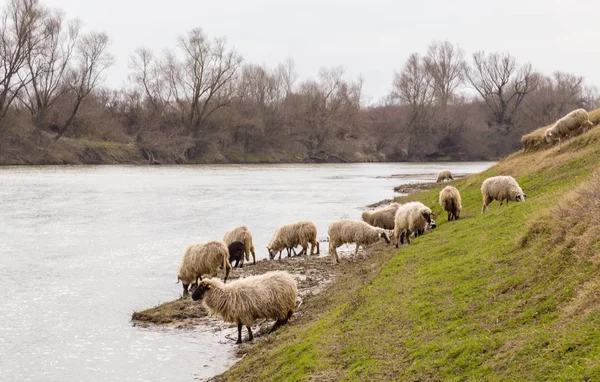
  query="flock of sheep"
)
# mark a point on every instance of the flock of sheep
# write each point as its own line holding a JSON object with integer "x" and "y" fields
{"x": 273, "y": 294}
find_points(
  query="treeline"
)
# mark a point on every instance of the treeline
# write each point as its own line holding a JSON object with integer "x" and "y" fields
{"x": 200, "y": 102}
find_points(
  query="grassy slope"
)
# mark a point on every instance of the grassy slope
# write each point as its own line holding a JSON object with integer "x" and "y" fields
{"x": 509, "y": 295}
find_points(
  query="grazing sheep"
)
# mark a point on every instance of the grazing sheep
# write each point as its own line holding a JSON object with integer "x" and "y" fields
{"x": 383, "y": 217}
{"x": 236, "y": 253}
{"x": 451, "y": 202}
{"x": 203, "y": 259}
{"x": 269, "y": 296}
{"x": 353, "y": 231}
{"x": 243, "y": 234}
{"x": 444, "y": 175}
{"x": 290, "y": 236}
{"x": 413, "y": 217}
{"x": 566, "y": 124}
{"x": 501, "y": 188}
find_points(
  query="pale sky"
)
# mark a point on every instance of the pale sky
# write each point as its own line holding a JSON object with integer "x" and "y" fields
{"x": 372, "y": 38}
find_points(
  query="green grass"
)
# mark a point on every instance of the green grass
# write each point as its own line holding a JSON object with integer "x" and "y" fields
{"x": 508, "y": 295}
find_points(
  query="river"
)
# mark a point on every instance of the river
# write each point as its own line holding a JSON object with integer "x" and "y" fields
{"x": 82, "y": 247}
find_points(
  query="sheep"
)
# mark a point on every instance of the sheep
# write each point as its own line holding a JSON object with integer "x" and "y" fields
{"x": 566, "y": 124}
{"x": 501, "y": 188}
{"x": 444, "y": 175}
{"x": 383, "y": 217}
{"x": 270, "y": 296}
{"x": 413, "y": 217}
{"x": 451, "y": 202}
{"x": 236, "y": 253}
{"x": 291, "y": 235}
{"x": 203, "y": 259}
{"x": 353, "y": 231}
{"x": 243, "y": 234}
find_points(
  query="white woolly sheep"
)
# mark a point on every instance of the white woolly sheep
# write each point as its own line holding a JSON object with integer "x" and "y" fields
{"x": 243, "y": 234}
{"x": 203, "y": 259}
{"x": 383, "y": 217}
{"x": 564, "y": 126}
{"x": 451, "y": 202}
{"x": 353, "y": 231}
{"x": 501, "y": 188}
{"x": 290, "y": 236}
{"x": 269, "y": 296}
{"x": 444, "y": 175}
{"x": 413, "y": 217}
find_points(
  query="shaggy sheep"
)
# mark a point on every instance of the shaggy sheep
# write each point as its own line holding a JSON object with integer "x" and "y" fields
{"x": 451, "y": 202}
{"x": 290, "y": 236}
{"x": 501, "y": 188}
{"x": 383, "y": 217}
{"x": 236, "y": 253}
{"x": 566, "y": 124}
{"x": 269, "y": 296}
{"x": 444, "y": 175}
{"x": 243, "y": 234}
{"x": 203, "y": 259}
{"x": 413, "y": 217}
{"x": 352, "y": 231}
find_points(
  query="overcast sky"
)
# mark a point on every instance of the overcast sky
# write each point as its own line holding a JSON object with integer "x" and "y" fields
{"x": 372, "y": 38}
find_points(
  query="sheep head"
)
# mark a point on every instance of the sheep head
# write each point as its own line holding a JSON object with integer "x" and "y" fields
{"x": 432, "y": 224}
{"x": 548, "y": 135}
{"x": 202, "y": 288}
{"x": 385, "y": 237}
{"x": 272, "y": 253}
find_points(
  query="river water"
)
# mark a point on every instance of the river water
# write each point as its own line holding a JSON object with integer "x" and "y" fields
{"x": 83, "y": 247}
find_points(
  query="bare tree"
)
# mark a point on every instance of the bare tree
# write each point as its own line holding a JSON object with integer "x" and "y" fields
{"x": 445, "y": 63}
{"x": 286, "y": 73}
{"x": 149, "y": 77}
{"x": 413, "y": 86}
{"x": 201, "y": 81}
{"x": 48, "y": 64}
{"x": 92, "y": 60}
{"x": 18, "y": 36}
{"x": 502, "y": 84}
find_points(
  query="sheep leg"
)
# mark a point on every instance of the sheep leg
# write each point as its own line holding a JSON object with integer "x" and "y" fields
{"x": 500, "y": 205}
{"x": 294, "y": 250}
{"x": 355, "y": 252}
{"x": 304, "y": 249}
{"x": 253, "y": 255}
{"x": 559, "y": 141}
{"x": 333, "y": 252}
{"x": 185, "y": 289}
{"x": 250, "y": 336}
{"x": 239, "y": 341}
{"x": 318, "y": 247}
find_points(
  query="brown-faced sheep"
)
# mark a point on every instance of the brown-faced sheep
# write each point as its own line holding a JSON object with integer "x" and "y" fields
{"x": 451, "y": 202}
{"x": 203, "y": 259}
{"x": 444, "y": 175}
{"x": 236, "y": 253}
{"x": 413, "y": 217}
{"x": 501, "y": 188}
{"x": 290, "y": 236}
{"x": 382, "y": 218}
{"x": 353, "y": 231}
{"x": 564, "y": 126}
{"x": 243, "y": 234}
{"x": 269, "y": 296}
